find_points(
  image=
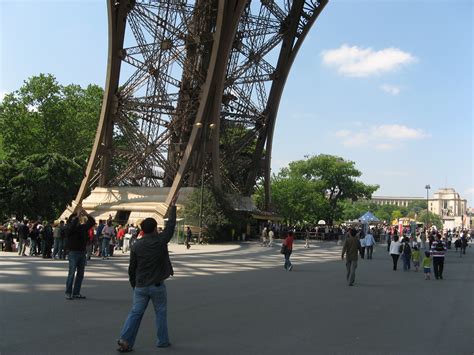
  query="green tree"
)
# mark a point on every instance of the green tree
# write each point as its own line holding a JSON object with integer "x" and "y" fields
{"x": 214, "y": 211}
{"x": 39, "y": 186}
{"x": 354, "y": 209}
{"x": 46, "y": 135}
{"x": 317, "y": 188}
{"x": 297, "y": 199}
{"x": 45, "y": 117}
{"x": 432, "y": 219}
{"x": 335, "y": 180}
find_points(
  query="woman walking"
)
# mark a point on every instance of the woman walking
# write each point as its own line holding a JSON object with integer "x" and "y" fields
{"x": 395, "y": 247}
{"x": 288, "y": 248}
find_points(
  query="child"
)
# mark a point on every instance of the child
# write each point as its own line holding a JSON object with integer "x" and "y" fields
{"x": 415, "y": 257}
{"x": 427, "y": 265}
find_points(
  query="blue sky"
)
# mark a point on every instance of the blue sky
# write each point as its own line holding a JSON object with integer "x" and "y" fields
{"x": 386, "y": 84}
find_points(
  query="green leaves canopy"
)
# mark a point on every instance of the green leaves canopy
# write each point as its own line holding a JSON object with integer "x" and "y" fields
{"x": 313, "y": 189}
{"x": 46, "y": 135}
{"x": 45, "y": 117}
{"x": 38, "y": 186}
{"x": 214, "y": 211}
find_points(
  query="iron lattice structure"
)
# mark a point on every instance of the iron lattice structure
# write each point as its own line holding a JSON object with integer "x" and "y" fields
{"x": 192, "y": 91}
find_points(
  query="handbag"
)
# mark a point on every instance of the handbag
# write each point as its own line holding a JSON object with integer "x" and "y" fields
{"x": 283, "y": 249}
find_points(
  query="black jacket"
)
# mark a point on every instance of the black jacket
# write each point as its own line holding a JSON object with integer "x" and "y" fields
{"x": 77, "y": 234}
{"x": 149, "y": 258}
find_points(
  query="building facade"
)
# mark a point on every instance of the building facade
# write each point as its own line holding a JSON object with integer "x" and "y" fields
{"x": 446, "y": 203}
{"x": 395, "y": 200}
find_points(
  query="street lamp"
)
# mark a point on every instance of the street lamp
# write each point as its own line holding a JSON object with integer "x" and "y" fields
{"x": 427, "y": 187}
{"x": 211, "y": 126}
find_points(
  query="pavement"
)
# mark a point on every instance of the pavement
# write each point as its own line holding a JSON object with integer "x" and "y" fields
{"x": 237, "y": 299}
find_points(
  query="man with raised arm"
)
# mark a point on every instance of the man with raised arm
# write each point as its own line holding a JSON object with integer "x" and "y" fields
{"x": 150, "y": 266}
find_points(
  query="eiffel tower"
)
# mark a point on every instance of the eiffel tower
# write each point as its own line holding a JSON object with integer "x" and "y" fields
{"x": 192, "y": 94}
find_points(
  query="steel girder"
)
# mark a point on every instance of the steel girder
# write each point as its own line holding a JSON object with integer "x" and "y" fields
{"x": 192, "y": 91}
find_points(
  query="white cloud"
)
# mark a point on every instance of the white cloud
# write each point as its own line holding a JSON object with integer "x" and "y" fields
{"x": 382, "y": 137}
{"x": 390, "y": 89}
{"x": 397, "y": 132}
{"x": 362, "y": 62}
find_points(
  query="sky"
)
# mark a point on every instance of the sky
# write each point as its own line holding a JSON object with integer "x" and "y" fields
{"x": 387, "y": 84}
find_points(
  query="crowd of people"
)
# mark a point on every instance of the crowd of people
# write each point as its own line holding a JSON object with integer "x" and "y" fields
{"x": 49, "y": 240}
{"x": 407, "y": 247}
{"x": 80, "y": 237}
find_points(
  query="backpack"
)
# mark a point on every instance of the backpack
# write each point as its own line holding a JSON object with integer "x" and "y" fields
{"x": 406, "y": 249}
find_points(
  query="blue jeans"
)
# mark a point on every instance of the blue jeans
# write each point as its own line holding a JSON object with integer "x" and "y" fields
{"x": 77, "y": 262}
{"x": 33, "y": 247}
{"x": 105, "y": 247}
{"x": 58, "y": 248}
{"x": 141, "y": 296}
{"x": 287, "y": 260}
{"x": 406, "y": 262}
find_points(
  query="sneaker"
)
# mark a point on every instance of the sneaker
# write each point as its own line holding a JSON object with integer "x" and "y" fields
{"x": 79, "y": 296}
{"x": 291, "y": 267}
{"x": 124, "y": 347}
{"x": 68, "y": 296}
{"x": 166, "y": 345}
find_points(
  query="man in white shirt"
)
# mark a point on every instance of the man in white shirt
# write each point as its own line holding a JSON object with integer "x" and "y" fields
{"x": 369, "y": 242}
{"x": 271, "y": 236}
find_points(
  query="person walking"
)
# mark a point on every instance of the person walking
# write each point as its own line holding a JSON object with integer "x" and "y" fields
{"x": 287, "y": 250}
{"x": 362, "y": 244}
{"x": 438, "y": 249}
{"x": 463, "y": 242}
{"x": 77, "y": 236}
{"x": 415, "y": 257}
{"x": 406, "y": 256}
{"x": 34, "y": 236}
{"x": 271, "y": 237}
{"x": 427, "y": 265}
{"x": 395, "y": 249}
{"x": 48, "y": 240}
{"x": 108, "y": 232}
{"x": 369, "y": 242}
{"x": 351, "y": 249}
{"x": 189, "y": 235}
{"x": 264, "y": 237}
{"x": 149, "y": 267}
{"x": 23, "y": 232}
{"x": 58, "y": 240}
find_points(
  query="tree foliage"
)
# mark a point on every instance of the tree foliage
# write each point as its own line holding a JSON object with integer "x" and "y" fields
{"x": 213, "y": 211}
{"x": 45, "y": 117}
{"x": 315, "y": 188}
{"x": 38, "y": 186}
{"x": 46, "y": 135}
{"x": 415, "y": 210}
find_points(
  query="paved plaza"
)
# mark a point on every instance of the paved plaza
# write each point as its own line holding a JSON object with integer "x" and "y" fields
{"x": 238, "y": 299}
